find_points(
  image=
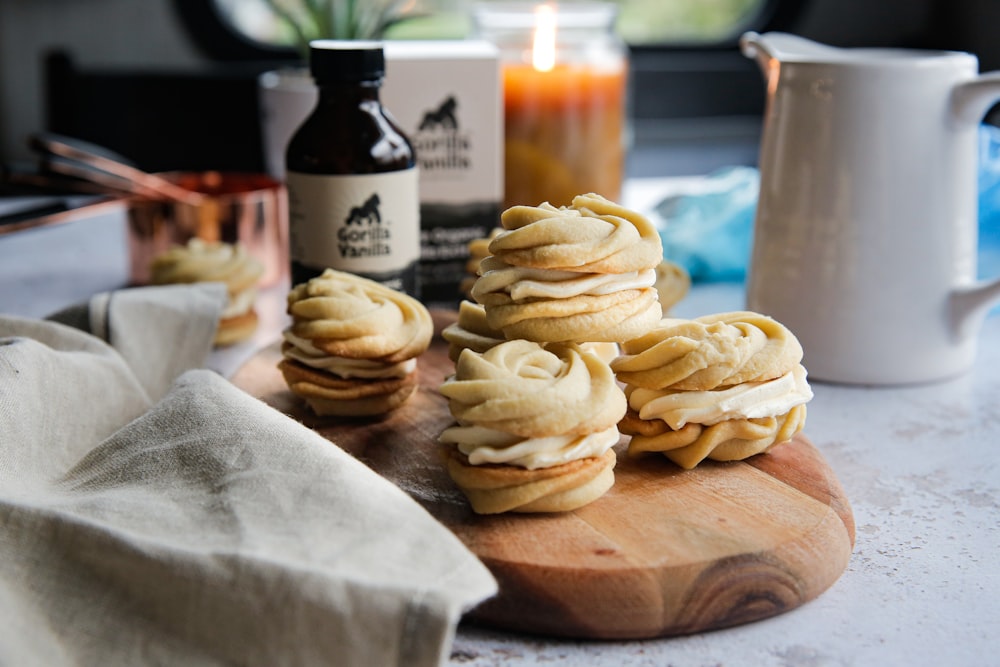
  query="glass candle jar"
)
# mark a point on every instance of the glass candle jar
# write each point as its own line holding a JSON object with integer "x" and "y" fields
{"x": 565, "y": 76}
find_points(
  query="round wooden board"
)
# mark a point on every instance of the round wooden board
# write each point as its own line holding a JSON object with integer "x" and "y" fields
{"x": 664, "y": 552}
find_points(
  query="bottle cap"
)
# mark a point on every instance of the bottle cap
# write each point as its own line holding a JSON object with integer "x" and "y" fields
{"x": 333, "y": 60}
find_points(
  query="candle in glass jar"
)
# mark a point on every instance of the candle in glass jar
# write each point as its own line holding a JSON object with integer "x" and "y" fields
{"x": 564, "y": 105}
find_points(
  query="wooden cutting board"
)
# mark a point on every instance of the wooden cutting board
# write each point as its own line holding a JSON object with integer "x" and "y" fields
{"x": 664, "y": 552}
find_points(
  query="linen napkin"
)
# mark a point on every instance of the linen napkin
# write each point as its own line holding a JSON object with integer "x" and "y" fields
{"x": 147, "y": 518}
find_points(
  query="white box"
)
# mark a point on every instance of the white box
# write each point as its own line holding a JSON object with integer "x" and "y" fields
{"x": 447, "y": 97}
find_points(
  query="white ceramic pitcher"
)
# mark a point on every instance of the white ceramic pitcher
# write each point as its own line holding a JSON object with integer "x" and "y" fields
{"x": 865, "y": 235}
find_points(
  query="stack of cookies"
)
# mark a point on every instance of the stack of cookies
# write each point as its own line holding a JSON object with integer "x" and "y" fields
{"x": 535, "y": 401}
{"x": 472, "y": 331}
{"x": 215, "y": 261}
{"x": 723, "y": 387}
{"x": 582, "y": 273}
{"x": 535, "y": 427}
{"x": 352, "y": 346}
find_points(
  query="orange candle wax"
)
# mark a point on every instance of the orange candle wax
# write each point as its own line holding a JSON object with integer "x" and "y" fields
{"x": 564, "y": 131}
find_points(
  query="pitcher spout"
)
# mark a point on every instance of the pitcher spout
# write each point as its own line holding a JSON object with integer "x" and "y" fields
{"x": 772, "y": 48}
{"x": 753, "y": 47}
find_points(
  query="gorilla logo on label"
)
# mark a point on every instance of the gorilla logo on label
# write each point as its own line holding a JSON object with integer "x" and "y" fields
{"x": 443, "y": 116}
{"x": 367, "y": 213}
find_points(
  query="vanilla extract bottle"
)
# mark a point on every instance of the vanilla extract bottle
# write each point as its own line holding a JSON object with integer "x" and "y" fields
{"x": 351, "y": 175}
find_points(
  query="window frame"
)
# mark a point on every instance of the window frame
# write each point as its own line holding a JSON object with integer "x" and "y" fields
{"x": 212, "y": 34}
{"x": 698, "y": 104}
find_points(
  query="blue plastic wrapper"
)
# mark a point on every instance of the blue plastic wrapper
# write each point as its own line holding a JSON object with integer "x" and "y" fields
{"x": 989, "y": 201}
{"x": 709, "y": 231}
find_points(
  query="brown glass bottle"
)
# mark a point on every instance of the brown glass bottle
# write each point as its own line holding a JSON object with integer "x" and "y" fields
{"x": 353, "y": 192}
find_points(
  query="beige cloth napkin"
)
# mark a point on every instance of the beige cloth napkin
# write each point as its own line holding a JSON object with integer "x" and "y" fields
{"x": 151, "y": 521}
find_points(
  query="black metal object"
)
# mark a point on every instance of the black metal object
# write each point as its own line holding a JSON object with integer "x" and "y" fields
{"x": 161, "y": 119}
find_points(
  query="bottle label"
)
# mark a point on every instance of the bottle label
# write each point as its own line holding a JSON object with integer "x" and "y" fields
{"x": 366, "y": 224}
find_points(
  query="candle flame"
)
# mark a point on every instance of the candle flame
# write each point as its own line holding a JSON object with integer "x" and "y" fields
{"x": 543, "y": 51}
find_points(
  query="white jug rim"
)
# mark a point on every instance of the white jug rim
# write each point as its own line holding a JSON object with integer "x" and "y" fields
{"x": 888, "y": 57}
{"x": 792, "y": 49}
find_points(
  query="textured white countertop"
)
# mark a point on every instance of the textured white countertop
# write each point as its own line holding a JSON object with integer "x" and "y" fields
{"x": 919, "y": 465}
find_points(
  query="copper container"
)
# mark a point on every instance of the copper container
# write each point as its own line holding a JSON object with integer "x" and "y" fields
{"x": 250, "y": 209}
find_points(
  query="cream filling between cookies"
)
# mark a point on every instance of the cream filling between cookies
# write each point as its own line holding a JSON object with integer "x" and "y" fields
{"x": 303, "y": 351}
{"x": 239, "y": 304}
{"x": 521, "y": 283}
{"x": 750, "y": 400}
{"x": 606, "y": 352}
{"x": 485, "y": 445}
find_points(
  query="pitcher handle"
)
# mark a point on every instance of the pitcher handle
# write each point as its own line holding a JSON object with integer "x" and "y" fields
{"x": 973, "y": 98}
{"x": 970, "y": 101}
{"x": 970, "y": 304}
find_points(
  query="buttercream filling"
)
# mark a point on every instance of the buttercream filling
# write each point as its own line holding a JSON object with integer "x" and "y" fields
{"x": 201, "y": 261}
{"x": 303, "y": 351}
{"x": 485, "y": 445}
{"x": 749, "y": 400}
{"x": 239, "y": 304}
{"x": 522, "y": 283}
{"x": 606, "y": 352}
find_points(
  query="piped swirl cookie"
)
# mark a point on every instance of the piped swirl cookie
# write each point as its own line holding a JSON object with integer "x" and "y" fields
{"x": 672, "y": 284}
{"x": 582, "y": 273}
{"x": 352, "y": 347}
{"x": 535, "y": 427}
{"x": 471, "y": 330}
{"x": 723, "y": 387}
{"x": 215, "y": 261}
{"x": 708, "y": 352}
{"x": 479, "y": 249}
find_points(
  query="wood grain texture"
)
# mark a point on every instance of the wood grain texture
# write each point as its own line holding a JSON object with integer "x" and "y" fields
{"x": 664, "y": 552}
